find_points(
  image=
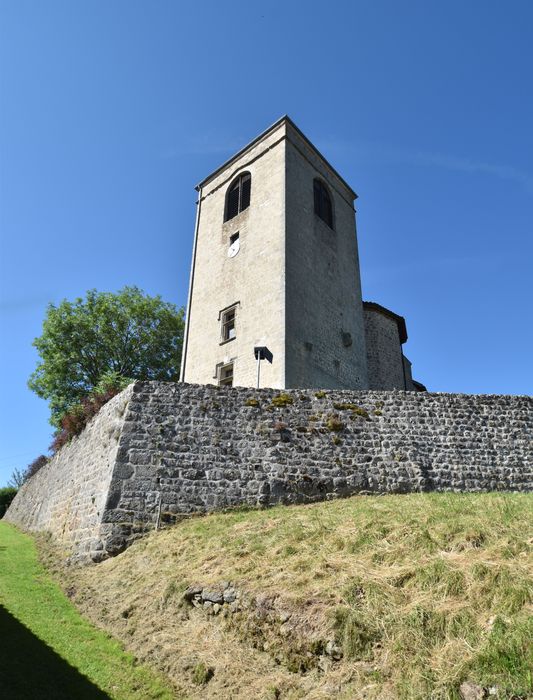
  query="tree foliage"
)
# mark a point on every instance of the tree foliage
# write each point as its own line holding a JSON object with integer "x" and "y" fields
{"x": 127, "y": 334}
{"x": 7, "y": 494}
{"x": 35, "y": 466}
{"x": 76, "y": 417}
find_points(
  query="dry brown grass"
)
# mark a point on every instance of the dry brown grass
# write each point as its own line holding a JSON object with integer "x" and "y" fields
{"x": 420, "y": 591}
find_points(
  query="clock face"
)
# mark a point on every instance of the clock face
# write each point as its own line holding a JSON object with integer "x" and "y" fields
{"x": 234, "y": 249}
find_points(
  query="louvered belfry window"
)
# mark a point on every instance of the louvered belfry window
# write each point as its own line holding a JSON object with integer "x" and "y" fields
{"x": 238, "y": 197}
{"x": 323, "y": 207}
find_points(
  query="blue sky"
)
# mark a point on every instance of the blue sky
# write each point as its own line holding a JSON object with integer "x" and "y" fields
{"x": 111, "y": 112}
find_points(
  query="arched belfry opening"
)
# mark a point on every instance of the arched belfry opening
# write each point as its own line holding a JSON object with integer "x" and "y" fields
{"x": 323, "y": 205}
{"x": 238, "y": 196}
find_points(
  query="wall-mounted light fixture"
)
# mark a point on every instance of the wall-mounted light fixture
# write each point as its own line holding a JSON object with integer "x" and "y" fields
{"x": 261, "y": 353}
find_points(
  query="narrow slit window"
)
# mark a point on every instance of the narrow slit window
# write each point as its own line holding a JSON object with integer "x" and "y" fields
{"x": 225, "y": 376}
{"x": 238, "y": 196}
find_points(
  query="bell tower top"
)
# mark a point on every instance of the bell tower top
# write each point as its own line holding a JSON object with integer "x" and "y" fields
{"x": 283, "y": 121}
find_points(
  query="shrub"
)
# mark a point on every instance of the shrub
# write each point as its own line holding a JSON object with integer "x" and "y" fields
{"x": 34, "y": 466}
{"x": 252, "y": 402}
{"x": 320, "y": 394}
{"x": 111, "y": 381}
{"x": 7, "y": 494}
{"x": 75, "y": 420}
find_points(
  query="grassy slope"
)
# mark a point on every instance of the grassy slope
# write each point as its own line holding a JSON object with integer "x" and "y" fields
{"x": 421, "y": 591}
{"x": 47, "y": 649}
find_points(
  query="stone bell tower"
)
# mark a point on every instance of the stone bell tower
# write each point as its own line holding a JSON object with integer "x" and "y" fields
{"x": 275, "y": 264}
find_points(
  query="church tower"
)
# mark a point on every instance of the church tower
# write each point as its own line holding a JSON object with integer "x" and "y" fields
{"x": 275, "y": 265}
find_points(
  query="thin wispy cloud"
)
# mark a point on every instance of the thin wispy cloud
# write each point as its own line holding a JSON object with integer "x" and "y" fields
{"x": 16, "y": 304}
{"x": 385, "y": 153}
{"x": 427, "y": 265}
{"x": 216, "y": 144}
{"x": 467, "y": 165}
{"x": 205, "y": 145}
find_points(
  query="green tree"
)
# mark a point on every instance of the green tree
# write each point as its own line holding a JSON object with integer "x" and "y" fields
{"x": 127, "y": 334}
{"x": 7, "y": 494}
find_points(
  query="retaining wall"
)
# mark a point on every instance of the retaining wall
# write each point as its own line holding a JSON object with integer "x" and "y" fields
{"x": 67, "y": 496}
{"x": 160, "y": 450}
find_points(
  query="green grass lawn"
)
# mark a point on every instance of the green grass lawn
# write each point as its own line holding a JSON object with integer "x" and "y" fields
{"x": 47, "y": 650}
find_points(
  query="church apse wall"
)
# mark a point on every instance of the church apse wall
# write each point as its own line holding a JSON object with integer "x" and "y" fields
{"x": 385, "y": 333}
{"x": 160, "y": 451}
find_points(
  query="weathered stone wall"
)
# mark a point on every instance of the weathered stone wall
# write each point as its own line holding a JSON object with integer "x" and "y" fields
{"x": 325, "y": 338}
{"x": 204, "y": 448}
{"x": 254, "y": 279}
{"x": 383, "y": 352}
{"x": 187, "y": 448}
{"x": 67, "y": 496}
{"x": 408, "y": 374}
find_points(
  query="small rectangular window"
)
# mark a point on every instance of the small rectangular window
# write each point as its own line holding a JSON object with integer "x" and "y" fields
{"x": 225, "y": 375}
{"x": 228, "y": 324}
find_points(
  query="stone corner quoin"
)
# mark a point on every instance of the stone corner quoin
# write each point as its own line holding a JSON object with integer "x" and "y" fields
{"x": 160, "y": 451}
